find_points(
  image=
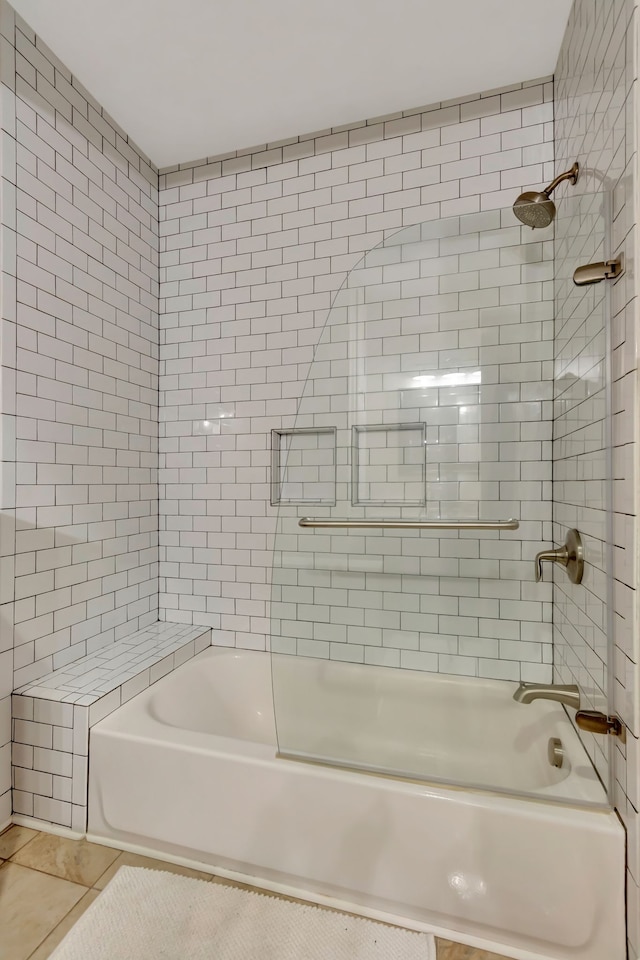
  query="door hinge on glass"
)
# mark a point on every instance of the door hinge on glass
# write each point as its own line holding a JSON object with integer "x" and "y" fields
{"x": 595, "y": 272}
{"x": 596, "y": 722}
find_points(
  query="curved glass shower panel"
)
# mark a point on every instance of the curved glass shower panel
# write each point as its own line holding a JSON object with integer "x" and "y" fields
{"x": 589, "y": 325}
{"x": 429, "y": 400}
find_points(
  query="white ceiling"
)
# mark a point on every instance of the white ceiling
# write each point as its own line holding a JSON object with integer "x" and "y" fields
{"x": 201, "y": 77}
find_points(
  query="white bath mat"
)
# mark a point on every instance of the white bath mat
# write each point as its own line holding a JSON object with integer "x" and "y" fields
{"x": 155, "y": 915}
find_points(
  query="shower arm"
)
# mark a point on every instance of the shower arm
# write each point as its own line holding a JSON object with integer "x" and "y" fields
{"x": 571, "y": 174}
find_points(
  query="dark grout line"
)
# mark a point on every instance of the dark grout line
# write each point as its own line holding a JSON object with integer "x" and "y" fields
{"x": 54, "y": 876}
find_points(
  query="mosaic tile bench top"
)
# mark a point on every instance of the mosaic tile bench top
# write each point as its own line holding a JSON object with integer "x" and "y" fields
{"x": 91, "y": 677}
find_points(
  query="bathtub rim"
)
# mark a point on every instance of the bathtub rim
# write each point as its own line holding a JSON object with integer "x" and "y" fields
{"x": 253, "y": 751}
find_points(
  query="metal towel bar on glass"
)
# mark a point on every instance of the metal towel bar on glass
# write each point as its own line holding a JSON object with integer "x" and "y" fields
{"x": 409, "y": 524}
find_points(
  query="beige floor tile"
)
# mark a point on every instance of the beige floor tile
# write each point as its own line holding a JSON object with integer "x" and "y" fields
{"x": 76, "y": 860}
{"x": 32, "y": 904}
{"x": 133, "y": 860}
{"x": 48, "y": 946}
{"x": 447, "y": 950}
{"x": 13, "y": 838}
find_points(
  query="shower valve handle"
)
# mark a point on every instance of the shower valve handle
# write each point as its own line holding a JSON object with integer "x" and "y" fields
{"x": 570, "y": 556}
{"x": 561, "y": 555}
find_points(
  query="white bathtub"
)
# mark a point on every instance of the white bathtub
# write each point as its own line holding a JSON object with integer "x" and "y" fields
{"x": 188, "y": 770}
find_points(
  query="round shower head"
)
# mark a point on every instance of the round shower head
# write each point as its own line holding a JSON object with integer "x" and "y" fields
{"x": 537, "y": 209}
{"x": 534, "y": 209}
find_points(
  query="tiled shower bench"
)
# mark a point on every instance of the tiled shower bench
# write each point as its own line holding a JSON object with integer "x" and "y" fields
{"x": 52, "y": 717}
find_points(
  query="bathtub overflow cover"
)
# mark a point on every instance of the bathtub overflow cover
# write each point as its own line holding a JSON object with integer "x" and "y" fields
{"x": 555, "y": 752}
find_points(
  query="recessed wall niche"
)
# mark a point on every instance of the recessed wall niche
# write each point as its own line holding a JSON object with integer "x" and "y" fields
{"x": 388, "y": 464}
{"x": 303, "y": 466}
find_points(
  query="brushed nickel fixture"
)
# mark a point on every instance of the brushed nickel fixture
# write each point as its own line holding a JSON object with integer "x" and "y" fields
{"x": 538, "y": 209}
{"x": 555, "y": 752}
{"x": 409, "y": 524}
{"x": 570, "y": 555}
{"x": 568, "y": 693}
{"x": 597, "y": 272}
{"x": 596, "y": 722}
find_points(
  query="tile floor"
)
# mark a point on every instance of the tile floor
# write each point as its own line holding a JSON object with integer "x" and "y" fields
{"x": 46, "y": 882}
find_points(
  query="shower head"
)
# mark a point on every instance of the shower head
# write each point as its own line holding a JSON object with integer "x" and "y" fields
{"x": 534, "y": 209}
{"x": 538, "y": 209}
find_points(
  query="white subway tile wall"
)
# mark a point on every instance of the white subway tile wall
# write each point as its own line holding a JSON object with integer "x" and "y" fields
{"x": 254, "y": 248}
{"x": 79, "y": 353}
{"x": 596, "y": 123}
{"x": 7, "y": 397}
{"x": 86, "y": 369}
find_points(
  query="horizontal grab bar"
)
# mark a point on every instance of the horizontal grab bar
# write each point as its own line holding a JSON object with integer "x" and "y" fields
{"x": 410, "y": 524}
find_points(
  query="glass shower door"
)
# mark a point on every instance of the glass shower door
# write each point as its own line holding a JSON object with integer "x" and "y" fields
{"x": 413, "y": 490}
{"x": 584, "y": 622}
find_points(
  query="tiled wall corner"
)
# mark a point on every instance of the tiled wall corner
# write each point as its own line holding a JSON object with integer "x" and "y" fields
{"x": 85, "y": 372}
{"x": 7, "y": 395}
{"x": 79, "y": 378}
{"x": 596, "y": 123}
{"x": 254, "y": 248}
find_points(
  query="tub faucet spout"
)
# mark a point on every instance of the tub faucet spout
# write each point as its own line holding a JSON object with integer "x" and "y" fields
{"x": 569, "y": 694}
